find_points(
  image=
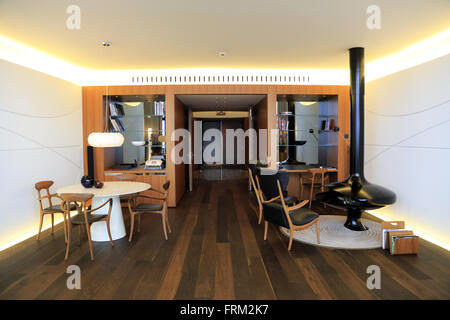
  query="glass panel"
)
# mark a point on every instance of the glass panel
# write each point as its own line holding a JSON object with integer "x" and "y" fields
{"x": 141, "y": 120}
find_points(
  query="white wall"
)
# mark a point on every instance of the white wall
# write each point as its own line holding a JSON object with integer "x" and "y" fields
{"x": 408, "y": 144}
{"x": 40, "y": 139}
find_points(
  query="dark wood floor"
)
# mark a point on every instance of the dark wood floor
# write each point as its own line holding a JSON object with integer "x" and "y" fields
{"x": 216, "y": 251}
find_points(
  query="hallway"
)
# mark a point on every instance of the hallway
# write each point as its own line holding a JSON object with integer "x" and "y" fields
{"x": 216, "y": 251}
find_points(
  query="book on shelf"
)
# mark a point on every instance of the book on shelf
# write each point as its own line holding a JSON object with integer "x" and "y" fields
{"x": 331, "y": 126}
{"x": 158, "y": 108}
{"x": 112, "y": 109}
{"x": 122, "y": 124}
{"x": 114, "y": 124}
{"x": 116, "y": 109}
{"x": 120, "y": 110}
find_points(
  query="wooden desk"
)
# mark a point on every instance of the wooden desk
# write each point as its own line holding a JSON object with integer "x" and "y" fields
{"x": 295, "y": 171}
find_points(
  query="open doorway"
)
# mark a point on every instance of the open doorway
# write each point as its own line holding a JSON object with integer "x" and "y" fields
{"x": 219, "y": 113}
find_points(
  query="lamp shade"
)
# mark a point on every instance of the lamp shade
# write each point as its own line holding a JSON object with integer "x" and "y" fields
{"x": 105, "y": 139}
{"x": 307, "y": 103}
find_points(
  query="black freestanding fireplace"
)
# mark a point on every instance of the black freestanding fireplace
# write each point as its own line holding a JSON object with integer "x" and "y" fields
{"x": 356, "y": 194}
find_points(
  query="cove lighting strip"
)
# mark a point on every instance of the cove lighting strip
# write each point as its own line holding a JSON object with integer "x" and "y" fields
{"x": 421, "y": 52}
{"x": 25, "y": 56}
{"x": 429, "y": 49}
{"x": 25, "y": 236}
{"x": 417, "y": 231}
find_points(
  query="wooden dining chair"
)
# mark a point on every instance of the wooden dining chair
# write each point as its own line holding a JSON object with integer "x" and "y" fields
{"x": 52, "y": 208}
{"x": 125, "y": 177}
{"x": 317, "y": 178}
{"x": 84, "y": 217}
{"x": 136, "y": 209}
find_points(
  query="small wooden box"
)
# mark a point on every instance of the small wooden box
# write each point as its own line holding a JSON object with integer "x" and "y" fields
{"x": 407, "y": 245}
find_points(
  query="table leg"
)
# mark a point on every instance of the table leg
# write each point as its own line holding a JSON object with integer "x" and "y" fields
{"x": 98, "y": 229}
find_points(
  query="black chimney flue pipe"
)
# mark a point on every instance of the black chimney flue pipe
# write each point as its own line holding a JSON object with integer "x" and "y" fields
{"x": 356, "y": 194}
{"x": 357, "y": 111}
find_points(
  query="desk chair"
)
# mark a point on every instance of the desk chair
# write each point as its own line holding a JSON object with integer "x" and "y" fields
{"x": 84, "y": 217}
{"x": 136, "y": 209}
{"x": 318, "y": 178}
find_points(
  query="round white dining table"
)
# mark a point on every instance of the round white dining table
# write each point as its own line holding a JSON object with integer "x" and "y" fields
{"x": 114, "y": 190}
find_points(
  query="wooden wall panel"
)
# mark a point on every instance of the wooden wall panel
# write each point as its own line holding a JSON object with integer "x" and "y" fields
{"x": 180, "y": 169}
{"x": 93, "y": 118}
{"x": 344, "y": 129}
{"x": 261, "y": 113}
{"x": 170, "y": 127}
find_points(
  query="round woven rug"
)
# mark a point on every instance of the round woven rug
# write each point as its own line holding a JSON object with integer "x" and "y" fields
{"x": 334, "y": 235}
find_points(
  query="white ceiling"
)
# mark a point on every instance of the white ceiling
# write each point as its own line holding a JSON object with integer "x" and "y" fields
{"x": 161, "y": 34}
{"x": 220, "y": 102}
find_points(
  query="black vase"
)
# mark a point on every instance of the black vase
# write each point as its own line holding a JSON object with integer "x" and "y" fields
{"x": 87, "y": 181}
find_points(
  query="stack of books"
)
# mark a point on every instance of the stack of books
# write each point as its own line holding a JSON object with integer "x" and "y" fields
{"x": 116, "y": 113}
{"x": 158, "y": 108}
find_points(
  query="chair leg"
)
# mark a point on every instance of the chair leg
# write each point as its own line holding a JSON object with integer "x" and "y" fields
{"x": 41, "y": 220}
{"x": 69, "y": 231}
{"x": 167, "y": 221}
{"x": 65, "y": 228}
{"x": 323, "y": 190}
{"x": 91, "y": 249}
{"x": 139, "y": 223}
{"x": 79, "y": 235}
{"x": 311, "y": 195}
{"x": 301, "y": 192}
{"x": 132, "y": 226}
{"x": 318, "y": 230}
{"x": 53, "y": 222}
{"x": 291, "y": 236}
{"x": 164, "y": 225}
{"x": 260, "y": 214}
{"x": 108, "y": 228}
{"x": 266, "y": 226}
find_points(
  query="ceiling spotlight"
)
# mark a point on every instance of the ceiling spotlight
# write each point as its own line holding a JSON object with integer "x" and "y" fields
{"x": 106, "y": 43}
{"x": 222, "y": 54}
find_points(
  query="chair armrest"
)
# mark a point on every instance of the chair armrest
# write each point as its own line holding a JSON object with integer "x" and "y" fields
{"x": 272, "y": 200}
{"x": 156, "y": 190}
{"x": 298, "y": 206}
{"x": 110, "y": 200}
{"x": 147, "y": 197}
{"x": 53, "y": 195}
